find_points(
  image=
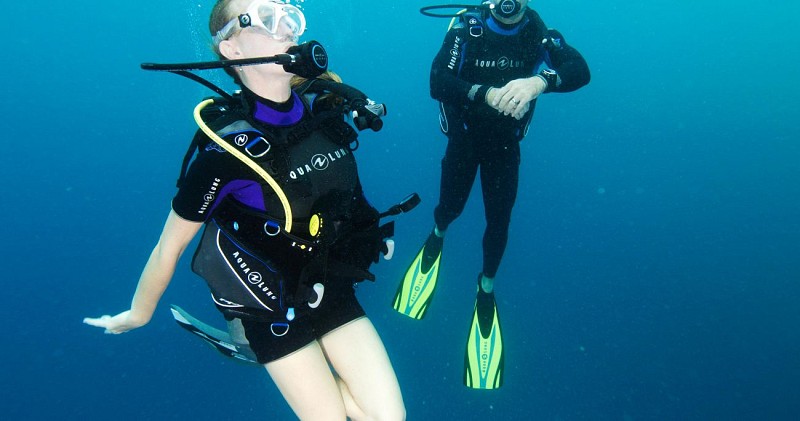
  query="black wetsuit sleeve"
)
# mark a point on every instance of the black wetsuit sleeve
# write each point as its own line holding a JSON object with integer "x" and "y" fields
{"x": 445, "y": 84}
{"x": 567, "y": 62}
{"x": 205, "y": 183}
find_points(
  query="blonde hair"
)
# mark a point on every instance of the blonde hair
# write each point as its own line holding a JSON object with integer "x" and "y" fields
{"x": 326, "y": 101}
{"x": 220, "y": 16}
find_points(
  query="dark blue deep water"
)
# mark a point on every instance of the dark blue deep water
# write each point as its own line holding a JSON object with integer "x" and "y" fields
{"x": 653, "y": 268}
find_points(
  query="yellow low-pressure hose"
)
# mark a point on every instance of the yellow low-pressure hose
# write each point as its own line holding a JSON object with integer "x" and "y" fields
{"x": 287, "y": 209}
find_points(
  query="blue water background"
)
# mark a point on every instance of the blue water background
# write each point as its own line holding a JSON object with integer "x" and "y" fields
{"x": 653, "y": 263}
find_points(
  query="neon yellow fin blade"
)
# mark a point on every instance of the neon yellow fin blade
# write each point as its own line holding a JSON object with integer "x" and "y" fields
{"x": 416, "y": 291}
{"x": 484, "y": 358}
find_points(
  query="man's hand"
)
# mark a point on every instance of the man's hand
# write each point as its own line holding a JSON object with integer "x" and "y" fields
{"x": 515, "y": 97}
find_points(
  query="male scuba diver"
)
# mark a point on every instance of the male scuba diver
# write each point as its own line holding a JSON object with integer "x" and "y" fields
{"x": 497, "y": 58}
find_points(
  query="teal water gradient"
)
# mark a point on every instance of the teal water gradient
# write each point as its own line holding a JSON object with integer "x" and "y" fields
{"x": 652, "y": 269}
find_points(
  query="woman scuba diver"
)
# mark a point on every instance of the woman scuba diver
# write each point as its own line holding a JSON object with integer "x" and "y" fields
{"x": 288, "y": 230}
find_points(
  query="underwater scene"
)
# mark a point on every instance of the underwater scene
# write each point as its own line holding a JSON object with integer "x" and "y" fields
{"x": 652, "y": 270}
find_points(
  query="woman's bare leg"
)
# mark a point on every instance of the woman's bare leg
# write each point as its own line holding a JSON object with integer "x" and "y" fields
{"x": 357, "y": 354}
{"x": 308, "y": 385}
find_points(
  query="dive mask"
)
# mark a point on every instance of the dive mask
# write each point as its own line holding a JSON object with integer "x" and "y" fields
{"x": 281, "y": 20}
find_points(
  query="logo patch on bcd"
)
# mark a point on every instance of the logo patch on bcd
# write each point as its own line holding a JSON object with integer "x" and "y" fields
{"x": 320, "y": 162}
{"x": 240, "y": 139}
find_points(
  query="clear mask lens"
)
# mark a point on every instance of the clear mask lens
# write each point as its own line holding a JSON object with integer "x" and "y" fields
{"x": 281, "y": 20}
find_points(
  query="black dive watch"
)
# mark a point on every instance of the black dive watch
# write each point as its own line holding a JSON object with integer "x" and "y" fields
{"x": 552, "y": 78}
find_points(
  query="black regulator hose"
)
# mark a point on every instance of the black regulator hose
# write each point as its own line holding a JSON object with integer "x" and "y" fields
{"x": 307, "y": 60}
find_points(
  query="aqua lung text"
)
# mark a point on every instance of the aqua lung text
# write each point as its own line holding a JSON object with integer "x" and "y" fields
{"x": 254, "y": 278}
{"x": 501, "y": 63}
{"x": 210, "y": 196}
{"x": 319, "y": 162}
{"x": 454, "y": 53}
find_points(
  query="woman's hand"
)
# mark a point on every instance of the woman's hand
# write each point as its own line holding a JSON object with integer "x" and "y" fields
{"x": 120, "y": 323}
{"x": 155, "y": 277}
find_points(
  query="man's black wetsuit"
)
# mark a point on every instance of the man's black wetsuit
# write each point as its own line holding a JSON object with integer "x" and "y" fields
{"x": 479, "y": 53}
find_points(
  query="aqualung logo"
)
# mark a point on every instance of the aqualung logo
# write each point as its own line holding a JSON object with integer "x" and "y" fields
{"x": 253, "y": 277}
{"x": 455, "y": 52}
{"x": 209, "y": 196}
{"x": 241, "y": 139}
{"x": 319, "y": 162}
{"x": 502, "y": 63}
